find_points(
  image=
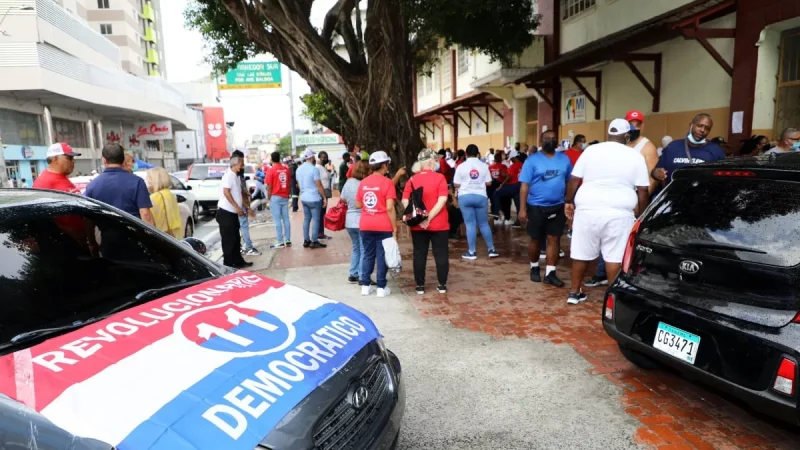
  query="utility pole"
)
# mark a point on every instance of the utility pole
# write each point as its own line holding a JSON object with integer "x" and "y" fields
{"x": 291, "y": 111}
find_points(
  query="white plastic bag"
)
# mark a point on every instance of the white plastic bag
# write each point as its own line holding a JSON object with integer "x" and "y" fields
{"x": 392, "y": 251}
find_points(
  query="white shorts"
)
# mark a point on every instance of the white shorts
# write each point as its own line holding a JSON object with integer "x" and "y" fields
{"x": 593, "y": 234}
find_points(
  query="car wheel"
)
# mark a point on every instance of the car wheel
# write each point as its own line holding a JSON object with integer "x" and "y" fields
{"x": 189, "y": 231}
{"x": 640, "y": 360}
{"x": 196, "y": 212}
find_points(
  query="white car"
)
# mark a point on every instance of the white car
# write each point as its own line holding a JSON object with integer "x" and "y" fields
{"x": 204, "y": 179}
{"x": 179, "y": 188}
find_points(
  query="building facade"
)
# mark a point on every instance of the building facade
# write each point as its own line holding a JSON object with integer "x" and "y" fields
{"x": 734, "y": 59}
{"x": 63, "y": 81}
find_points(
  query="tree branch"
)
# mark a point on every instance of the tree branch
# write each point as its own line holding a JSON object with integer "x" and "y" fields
{"x": 332, "y": 19}
{"x": 351, "y": 42}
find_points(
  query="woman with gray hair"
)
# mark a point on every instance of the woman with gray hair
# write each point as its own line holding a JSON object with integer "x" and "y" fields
{"x": 435, "y": 229}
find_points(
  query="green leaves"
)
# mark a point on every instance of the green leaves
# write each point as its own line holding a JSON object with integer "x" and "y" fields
{"x": 225, "y": 40}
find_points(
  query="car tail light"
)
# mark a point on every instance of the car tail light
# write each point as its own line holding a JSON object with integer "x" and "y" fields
{"x": 609, "y": 314}
{"x": 786, "y": 377}
{"x": 626, "y": 259}
{"x": 734, "y": 173}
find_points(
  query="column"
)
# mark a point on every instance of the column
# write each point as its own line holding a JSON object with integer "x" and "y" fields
{"x": 520, "y": 121}
{"x": 92, "y": 141}
{"x": 49, "y": 133}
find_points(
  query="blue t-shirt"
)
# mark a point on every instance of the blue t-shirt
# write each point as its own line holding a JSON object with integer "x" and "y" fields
{"x": 547, "y": 178}
{"x": 123, "y": 190}
{"x": 307, "y": 175}
{"x": 673, "y": 157}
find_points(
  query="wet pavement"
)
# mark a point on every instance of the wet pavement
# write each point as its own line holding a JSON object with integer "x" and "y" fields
{"x": 496, "y": 297}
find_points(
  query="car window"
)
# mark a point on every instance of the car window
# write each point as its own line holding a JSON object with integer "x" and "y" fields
{"x": 49, "y": 276}
{"x": 176, "y": 184}
{"x": 207, "y": 172}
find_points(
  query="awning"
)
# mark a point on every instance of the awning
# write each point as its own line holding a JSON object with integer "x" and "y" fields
{"x": 637, "y": 37}
{"x": 462, "y": 103}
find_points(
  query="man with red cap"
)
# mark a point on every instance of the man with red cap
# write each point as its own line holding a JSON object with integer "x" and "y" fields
{"x": 60, "y": 164}
{"x": 641, "y": 144}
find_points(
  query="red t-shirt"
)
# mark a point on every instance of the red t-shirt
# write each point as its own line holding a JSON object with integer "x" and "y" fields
{"x": 573, "y": 155}
{"x": 446, "y": 170}
{"x": 373, "y": 192}
{"x": 514, "y": 171}
{"x": 55, "y": 181}
{"x": 498, "y": 171}
{"x": 350, "y": 171}
{"x": 433, "y": 185}
{"x": 278, "y": 178}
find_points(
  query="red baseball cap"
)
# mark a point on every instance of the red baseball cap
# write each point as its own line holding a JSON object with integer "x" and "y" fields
{"x": 60, "y": 148}
{"x": 634, "y": 115}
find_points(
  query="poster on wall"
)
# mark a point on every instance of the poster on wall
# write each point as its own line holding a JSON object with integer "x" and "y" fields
{"x": 574, "y": 107}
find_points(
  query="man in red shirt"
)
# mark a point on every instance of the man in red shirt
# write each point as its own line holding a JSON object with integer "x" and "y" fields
{"x": 435, "y": 230}
{"x": 376, "y": 196}
{"x": 509, "y": 190}
{"x": 278, "y": 182}
{"x": 60, "y": 164}
{"x": 444, "y": 167}
{"x": 578, "y": 146}
{"x": 499, "y": 173}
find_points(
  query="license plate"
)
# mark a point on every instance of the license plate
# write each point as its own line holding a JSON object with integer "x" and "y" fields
{"x": 676, "y": 342}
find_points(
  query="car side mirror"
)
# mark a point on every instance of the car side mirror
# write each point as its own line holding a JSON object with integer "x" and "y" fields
{"x": 196, "y": 245}
{"x": 181, "y": 199}
{"x": 188, "y": 187}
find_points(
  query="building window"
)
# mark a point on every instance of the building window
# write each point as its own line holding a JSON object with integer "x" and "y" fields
{"x": 446, "y": 69}
{"x": 102, "y": 4}
{"x": 463, "y": 60}
{"x": 571, "y": 8}
{"x": 70, "y": 132}
{"x": 21, "y": 128}
{"x": 105, "y": 28}
{"x": 12, "y": 170}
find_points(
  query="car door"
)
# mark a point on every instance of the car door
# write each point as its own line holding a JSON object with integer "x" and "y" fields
{"x": 177, "y": 187}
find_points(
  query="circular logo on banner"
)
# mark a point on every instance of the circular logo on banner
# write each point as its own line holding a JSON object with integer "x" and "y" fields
{"x": 474, "y": 174}
{"x": 230, "y": 328}
{"x": 370, "y": 199}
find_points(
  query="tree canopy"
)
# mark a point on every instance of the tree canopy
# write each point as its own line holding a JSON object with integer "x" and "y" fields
{"x": 360, "y": 64}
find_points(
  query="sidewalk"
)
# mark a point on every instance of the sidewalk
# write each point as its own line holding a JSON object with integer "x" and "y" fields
{"x": 496, "y": 297}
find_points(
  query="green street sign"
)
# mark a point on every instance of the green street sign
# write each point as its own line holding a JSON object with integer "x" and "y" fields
{"x": 317, "y": 139}
{"x": 252, "y": 75}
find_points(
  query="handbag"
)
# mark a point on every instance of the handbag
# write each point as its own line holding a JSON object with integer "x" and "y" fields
{"x": 336, "y": 216}
{"x": 415, "y": 212}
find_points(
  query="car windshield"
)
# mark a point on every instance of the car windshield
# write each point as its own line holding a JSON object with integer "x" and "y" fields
{"x": 207, "y": 172}
{"x": 50, "y": 276}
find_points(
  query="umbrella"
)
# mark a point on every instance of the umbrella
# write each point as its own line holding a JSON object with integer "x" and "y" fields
{"x": 141, "y": 164}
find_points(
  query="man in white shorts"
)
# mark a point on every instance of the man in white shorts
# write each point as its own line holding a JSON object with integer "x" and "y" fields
{"x": 613, "y": 181}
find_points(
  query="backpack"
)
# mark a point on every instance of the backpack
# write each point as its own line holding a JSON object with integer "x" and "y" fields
{"x": 415, "y": 212}
{"x": 335, "y": 217}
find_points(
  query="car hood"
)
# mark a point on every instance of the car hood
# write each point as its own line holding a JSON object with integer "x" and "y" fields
{"x": 215, "y": 366}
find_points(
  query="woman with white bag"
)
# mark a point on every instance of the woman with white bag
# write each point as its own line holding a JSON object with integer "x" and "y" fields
{"x": 376, "y": 196}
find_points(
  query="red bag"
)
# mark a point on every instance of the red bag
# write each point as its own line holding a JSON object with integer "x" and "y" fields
{"x": 335, "y": 217}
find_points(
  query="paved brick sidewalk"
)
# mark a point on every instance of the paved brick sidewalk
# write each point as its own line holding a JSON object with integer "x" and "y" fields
{"x": 496, "y": 297}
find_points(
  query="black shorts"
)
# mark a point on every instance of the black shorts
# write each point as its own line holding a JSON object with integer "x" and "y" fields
{"x": 546, "y": 220}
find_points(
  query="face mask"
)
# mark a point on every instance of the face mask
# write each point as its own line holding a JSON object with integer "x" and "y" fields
{"x": 240, "y": 173}
{"x": 549, "y": 146}
{"x": 796, "y": 146}
{"x": 693, "y": 140}
{"x": 436, "y": 167}
{"x": 635, "y": 134}
{"x": 583, "y": 146}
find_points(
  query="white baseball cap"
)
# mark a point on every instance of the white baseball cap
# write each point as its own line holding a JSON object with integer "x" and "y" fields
{"x": 308, "y": 154}
{"x": 379, "y": 157}
{"x": 619, "y": 127}
{"x": 513, "y": 154}
{"x": 59, "y": 149}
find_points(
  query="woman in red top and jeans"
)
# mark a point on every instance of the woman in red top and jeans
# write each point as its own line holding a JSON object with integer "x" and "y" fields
{"x": 376, "y": 196}
{"x": 435, "y": 230}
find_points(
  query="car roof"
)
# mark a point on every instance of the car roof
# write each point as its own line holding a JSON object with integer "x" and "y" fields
{"x": 786, "y": 161}
{"x": 21, "y": 197}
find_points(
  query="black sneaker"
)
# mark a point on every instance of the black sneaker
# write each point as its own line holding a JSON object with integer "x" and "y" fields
{"x": 516, "y": 224}
{"x": 442, "y": 289}
{"x": 536, "y": 275}
{"x": 553, "y": 279}
{"x": 352, "y": 279}
{"x": 576, "y": 297}
{"x": 596, "y": 281}
{"x": 306, "y": 244}
{"x": 420, "y": 290}
{"x": 288, "y": 243}
{"x": 317, "y": 244}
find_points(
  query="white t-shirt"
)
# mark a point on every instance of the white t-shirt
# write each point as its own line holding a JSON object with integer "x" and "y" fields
{"x": 324, "y": 177}
{"x": 610, "y": 172}
{"x": 472, "y": 176}
{"x": 230, "y": 181}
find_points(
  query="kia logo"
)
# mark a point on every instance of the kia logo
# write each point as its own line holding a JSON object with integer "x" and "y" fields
{"x": 689, "y": 267}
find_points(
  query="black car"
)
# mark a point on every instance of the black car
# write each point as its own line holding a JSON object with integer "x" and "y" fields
{"x": 95, "y": 341}
{"x": 710, "y": 283}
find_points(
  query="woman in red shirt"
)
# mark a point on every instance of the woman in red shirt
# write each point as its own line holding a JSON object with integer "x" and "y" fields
{"x": 509, "y": 191}
{"x": 376, "y": 196}
{"x": 435, "y": 230}
{"x": 499, "y": 173}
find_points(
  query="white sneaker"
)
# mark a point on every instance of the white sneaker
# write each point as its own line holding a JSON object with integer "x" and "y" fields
{"x": 384, "y": 292}
{"x": 508, "y": 223}
{"x": 366, "y": 290}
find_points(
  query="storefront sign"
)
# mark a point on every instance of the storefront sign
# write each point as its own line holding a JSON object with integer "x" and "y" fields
{"x": 252, "y": 75}
{"x": 317, "y": 139}
{"x": 574, "y": 107}
{"x": 27, "y": 152}
{"x": 215, "y": 133}
{"x": 154, "y": 131}
{"x": 113, "y": 138}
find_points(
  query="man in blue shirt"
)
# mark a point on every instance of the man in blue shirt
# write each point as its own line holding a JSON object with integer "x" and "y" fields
{"x": 119, "y": 188}
{"x": 674, "y": 156}
{"x": 313, "y": 198}
{"x": 543, "y": 183}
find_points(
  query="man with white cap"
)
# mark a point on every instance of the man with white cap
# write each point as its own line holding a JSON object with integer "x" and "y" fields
{"x": 609, "y": 182}
{"x": 313, "y": 198}
{"x": 60, "y": 164}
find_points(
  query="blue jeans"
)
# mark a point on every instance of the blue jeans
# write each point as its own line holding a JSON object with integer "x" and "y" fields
{"x": 312, "y": 213}
{"x": 475, "y": 209}
{"x": 244, "y": 226}
{"x": 280, "y": 214}
{"x": 372, "y": 253}
{"x": 356, "y": 257}
{"x": 601, "y": 267}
